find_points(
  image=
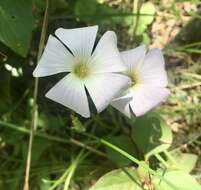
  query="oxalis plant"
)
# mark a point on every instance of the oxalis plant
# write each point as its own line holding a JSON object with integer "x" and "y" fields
{"x": 132, "y": 82}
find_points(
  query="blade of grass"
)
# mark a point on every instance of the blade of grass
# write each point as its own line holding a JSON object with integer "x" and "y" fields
{"x": 72, "y": 170}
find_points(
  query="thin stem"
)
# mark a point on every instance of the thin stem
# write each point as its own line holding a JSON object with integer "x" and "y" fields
{"x": 60, "y": 180}
{"x": 53, "y": 138}
{"x": 158, "y": 156}
{"x": 35, "y": 106}
{"x": 136, "y": 10}
{"x": 68, "y": 173}
{"x": 170, "y": 157}
{"x": 130, "y": 157}
{"x": 72, "y": 171}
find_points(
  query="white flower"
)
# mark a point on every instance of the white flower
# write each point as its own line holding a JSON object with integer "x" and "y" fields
{"x": 97, "y": 71}
{"x": 148, "y": 81}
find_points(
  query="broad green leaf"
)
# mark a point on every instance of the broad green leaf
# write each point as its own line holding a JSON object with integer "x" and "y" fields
{"x": 118, "y": 180}
{"x": 126, "y": 144}
{"x": 16, "y": 25}
{"x": 183, "y": 161}
{"x": 151, "y": 134}
{"x": 179, "y": 180}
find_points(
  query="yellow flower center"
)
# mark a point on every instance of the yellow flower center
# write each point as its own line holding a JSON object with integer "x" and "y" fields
{"x": 134, "y": 78}
{"x": 81, "y": 70}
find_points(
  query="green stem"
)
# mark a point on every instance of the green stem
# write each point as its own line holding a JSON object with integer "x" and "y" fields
{"x": 136, "y": 10}
{"x": 158, "y": 156}
{"x": 53, "y": 138}
{"x": 60, "y": 180}
{"x": 146, "y": 167}
{"x": 68, "y": 174}
{"x": 72, "y": 171}
{"x": 35, "y": 106}
{"x": 170, "y": 157}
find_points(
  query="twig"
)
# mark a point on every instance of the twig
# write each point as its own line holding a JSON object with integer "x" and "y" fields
{"x": 35, "y": 107}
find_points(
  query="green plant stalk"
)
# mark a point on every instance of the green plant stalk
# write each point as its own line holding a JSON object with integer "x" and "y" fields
{"x": 68, "y": 173}
{"x": 60, "y": 180}
{"x": 35, "y": 106}
{"x": 130, "y": 157}
{"x": 136, "y": 10}
{"x": 102, "y": 141}
{"x": 69, "y": 176}
{"x": 158, "y": 156}
{"x": 53, "y": 138}
{"x": 170, "y": 157}
{"x": 72, "y": 171}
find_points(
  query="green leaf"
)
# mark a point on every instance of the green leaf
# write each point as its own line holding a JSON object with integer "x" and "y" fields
{"x": 183, "y": 161}
{"x": 151, "y": 134}
{"x": 118, "y": 180}
{"x": 97, "y": 13}
{"x": 144, "y": 20}
{"x": 81, "y": 7}
{"x": 179, "y": 179}
{"x": 16, "y": 25}
{"x": 126, "y": 144}
{"x": 146, "y": 17}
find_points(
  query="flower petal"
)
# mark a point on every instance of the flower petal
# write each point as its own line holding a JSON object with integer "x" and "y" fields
{"x": 70, "y": 92}
{"x": 134, "y": 58}
{"x": 146, "y": 98}
{"x": 55, "y": 59}
{"x": 152, "y": 72}
{"x": 104, "y": 87}
{"x": 79, "y": 40}
{"x": 106, "y": 56}
{"x": 122, "y": 105}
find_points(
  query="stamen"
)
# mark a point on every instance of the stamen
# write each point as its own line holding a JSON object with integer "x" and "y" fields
{"x": 81, "y": 70}
{"x": 134, "y": 78}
